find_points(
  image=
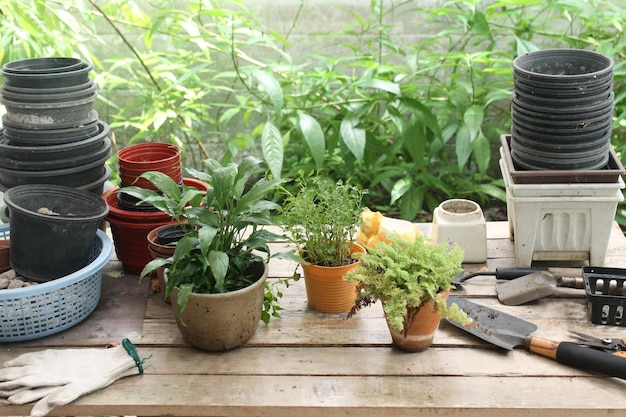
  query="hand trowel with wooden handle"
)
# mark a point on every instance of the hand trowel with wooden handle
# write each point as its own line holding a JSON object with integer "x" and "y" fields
{"x": 509, "y": 332}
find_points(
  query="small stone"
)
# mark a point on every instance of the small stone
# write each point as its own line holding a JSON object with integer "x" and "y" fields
{"x": 16, "y": 283}
{"x": 4, "y": 283}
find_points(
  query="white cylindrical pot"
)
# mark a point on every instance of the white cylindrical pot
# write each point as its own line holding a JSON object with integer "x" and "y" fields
{"x": 462, "y": 222}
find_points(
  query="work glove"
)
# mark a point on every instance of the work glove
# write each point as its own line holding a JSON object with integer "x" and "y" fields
{"x": 58, "y": 377}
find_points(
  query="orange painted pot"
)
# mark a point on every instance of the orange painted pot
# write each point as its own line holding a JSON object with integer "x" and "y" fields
{"x": 420, "y": 326}
{"x": 326, "y": 290}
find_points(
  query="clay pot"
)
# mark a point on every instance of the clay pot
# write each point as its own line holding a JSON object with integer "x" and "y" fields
{"x": 5, "y": 255}
{"x": 421, "y": 324}
{"x": 160, "y": 249}
{"x": 326, "y": 289}
{"x": 219, "y": 322}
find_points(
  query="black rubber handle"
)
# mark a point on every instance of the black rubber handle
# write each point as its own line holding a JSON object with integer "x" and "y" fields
{"x": 512, "y": 273}
{"x": 506, "y": 273}
{"x": 590, "y": 359}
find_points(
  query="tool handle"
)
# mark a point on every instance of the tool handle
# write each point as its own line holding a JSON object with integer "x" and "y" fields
{"x": 578, "y": 356}
{"x": 512, "y": 273}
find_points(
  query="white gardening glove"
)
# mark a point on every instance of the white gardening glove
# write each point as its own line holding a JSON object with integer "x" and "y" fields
{"x": 58, "y": 377}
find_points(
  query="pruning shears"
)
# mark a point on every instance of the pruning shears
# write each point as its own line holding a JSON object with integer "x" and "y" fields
{"x": 616, "y": 346}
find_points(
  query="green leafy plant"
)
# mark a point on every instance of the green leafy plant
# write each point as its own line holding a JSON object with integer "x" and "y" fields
{"x": 321, "y": 219}
{"x": 404, "y": 273}
{"x": 413, "y": 122}
{"x": 223, "y": 237}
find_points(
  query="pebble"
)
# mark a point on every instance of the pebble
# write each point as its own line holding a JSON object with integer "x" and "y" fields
{"x": 9, "y": 281}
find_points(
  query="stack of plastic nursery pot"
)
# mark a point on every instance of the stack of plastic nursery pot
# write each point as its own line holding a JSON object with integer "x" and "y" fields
{"x": 561, "y": 110}
{"x": 131, "y": 222}
{"x": 51, "y": 134}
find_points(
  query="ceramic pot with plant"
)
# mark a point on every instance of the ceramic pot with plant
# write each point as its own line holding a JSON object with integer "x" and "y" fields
{"x": 412, "y": 279}
{"x": 321, "y": 219}
{"x": 223, "y": 254}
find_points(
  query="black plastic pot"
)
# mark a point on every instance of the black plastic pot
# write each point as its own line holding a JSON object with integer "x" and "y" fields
{"x": 47, "y": 79}
{"x": 65, "y": 113}
{"x": 566, "y": 66}
{"x": 561, "y": 148}
{"x": 45, "y": 137}
{"x": 43, "y": 65}
{"x": 535, "y": 162}
{"x": 34, "y": 95}
{"x": 604, "y": 108}
{"x": 18, "y": 152}
{"x": 52, "y": 229}
{"x": 72, "y": 176}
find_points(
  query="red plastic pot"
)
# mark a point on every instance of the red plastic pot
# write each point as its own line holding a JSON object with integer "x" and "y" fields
{"x": 153, "y": 156}
{"x": 130, "y": 229}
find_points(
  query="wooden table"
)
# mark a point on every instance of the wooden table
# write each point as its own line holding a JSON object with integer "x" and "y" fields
{"x": 310, "y": 364}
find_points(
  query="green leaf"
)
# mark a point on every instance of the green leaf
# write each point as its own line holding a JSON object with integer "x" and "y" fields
{"x": 272, "y": 89}
{"x": 379, "y": 84}
{"x": 272, "y": 145}
{"x": 463, "y": 145}
{"x": 482, "y": 153}
{"x": 223, "y": 180}
{"x": 353, "y": 137}
{"x": 218, "y": 261}
{"x": 314, "y": 137}
{"x": 473, "y": 119}
{"x": 163, "y": 183}
{"x": 400, "y": 188}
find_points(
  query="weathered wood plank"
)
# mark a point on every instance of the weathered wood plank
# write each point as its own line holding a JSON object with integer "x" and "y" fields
{"x": 319, "y": 396}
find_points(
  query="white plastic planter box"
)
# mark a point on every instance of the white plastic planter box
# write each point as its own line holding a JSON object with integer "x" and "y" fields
{"x": 561, "y": 222}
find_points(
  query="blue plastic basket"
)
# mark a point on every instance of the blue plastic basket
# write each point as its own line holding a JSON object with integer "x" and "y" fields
{"x": 45, "y": 309}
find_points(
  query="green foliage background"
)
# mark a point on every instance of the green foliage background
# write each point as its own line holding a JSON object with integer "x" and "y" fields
{"x": 415, "y": 123}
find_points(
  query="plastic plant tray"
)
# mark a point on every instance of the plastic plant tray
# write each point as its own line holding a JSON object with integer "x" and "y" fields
{"x": 610, "y": 173}
{"x": 605, "y": 294}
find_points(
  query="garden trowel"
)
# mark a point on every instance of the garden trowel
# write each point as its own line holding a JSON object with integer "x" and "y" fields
{"x": 509, "y": 332}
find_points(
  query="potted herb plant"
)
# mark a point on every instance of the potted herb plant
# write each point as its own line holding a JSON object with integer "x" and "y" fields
{"x": 321, "y": 219}
{"x": 216, "y": 276}
{"x": 412, "y": 278}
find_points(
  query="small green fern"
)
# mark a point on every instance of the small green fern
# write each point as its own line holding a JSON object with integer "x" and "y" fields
{"x": 406, "y": 274}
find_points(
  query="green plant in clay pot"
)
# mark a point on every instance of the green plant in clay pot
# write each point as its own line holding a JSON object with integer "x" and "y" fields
{"x": 216, "y": 278}
{"x": 321, "y": 219}
{"x": 412, "y": 278}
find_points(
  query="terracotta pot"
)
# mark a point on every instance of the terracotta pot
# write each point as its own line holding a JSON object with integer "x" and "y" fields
{"x": 326, "y": 290}
{"x": 134, "y": 160}
{"x": 158, "y": 250}
{"x": 218, "y": 322}
{"x": 5, "y": 255}
{"x": 420, "y": 327}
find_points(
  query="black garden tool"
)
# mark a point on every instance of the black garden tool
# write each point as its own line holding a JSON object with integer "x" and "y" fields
{"x": 509, "y": 332}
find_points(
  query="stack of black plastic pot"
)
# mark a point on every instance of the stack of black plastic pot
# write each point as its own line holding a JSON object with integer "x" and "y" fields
{"x": 51, "y": 134}
{"x": 561, "y": 112}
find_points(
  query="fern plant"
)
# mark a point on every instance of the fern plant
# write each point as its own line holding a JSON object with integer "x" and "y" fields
{"x": 404, "y": 274}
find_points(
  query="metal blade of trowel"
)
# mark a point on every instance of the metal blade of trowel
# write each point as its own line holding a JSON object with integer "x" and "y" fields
{"x": 508, "y": 332}
{"x": 528, "y": 288}
{"x": 493, "y": 326}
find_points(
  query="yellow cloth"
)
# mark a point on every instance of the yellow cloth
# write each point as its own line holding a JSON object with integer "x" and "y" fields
{"x": 375, "y": 226}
